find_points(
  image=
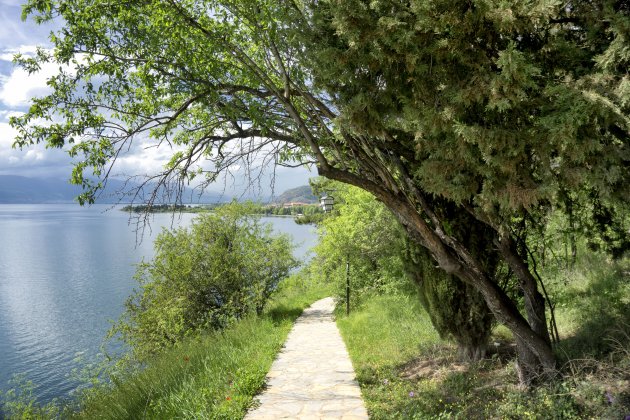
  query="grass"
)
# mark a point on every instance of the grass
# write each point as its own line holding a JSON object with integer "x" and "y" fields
{"x": 215, "y": 375}
{"x": 212, "y": 376}
{"x": 382, "y": 335}
{"x": 407, "y": 372}
{"x": 593, "y": 302}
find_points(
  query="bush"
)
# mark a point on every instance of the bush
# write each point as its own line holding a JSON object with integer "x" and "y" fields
{"x": 457, "y": 310}
{"x": 364, "y": 233}
{"x": 226, "y": 265}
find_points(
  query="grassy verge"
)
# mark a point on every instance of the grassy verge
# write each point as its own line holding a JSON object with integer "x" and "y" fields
{"x": 383, "y": 334}
{"x": 407, "y": 372}
{"x": 213, "y": 376}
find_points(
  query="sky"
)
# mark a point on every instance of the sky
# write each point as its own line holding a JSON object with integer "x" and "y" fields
{"x": 17, "y": 88}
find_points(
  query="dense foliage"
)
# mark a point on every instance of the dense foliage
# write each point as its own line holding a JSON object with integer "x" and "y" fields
{"x": 280, "y": 210}
{"x": 457, "y": 311}
{"x": 363, "y": 233}
{"x": 226, "y": 265}
{"x": 363, "y": 237}
{"x": 494, "y": 109}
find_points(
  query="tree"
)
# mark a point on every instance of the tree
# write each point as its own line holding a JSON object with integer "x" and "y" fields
{"x": 226, "y": 265}
{"x": 362, "y": 232}
{"x": 383, "y": 258}
{"x": 490, "y": 107}
{"x": 457, "y": 310}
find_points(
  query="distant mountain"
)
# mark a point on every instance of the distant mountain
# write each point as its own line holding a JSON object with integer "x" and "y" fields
{"x": 23, "y": 190}
{"x": 302, "y": 194}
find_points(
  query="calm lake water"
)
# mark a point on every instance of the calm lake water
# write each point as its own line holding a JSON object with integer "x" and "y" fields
{"x": 65, "y": 272}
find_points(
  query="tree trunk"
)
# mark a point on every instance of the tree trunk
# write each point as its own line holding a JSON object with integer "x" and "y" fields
{"x": 471, "y": 353}
{"x": 535, "y": 355}
{"x": 533, "y": 299}
{"x": 457, "y": 310}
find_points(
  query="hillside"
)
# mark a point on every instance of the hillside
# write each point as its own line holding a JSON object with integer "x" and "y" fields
{"x": 23, "y": 190}
{"x": 302, "y": 194}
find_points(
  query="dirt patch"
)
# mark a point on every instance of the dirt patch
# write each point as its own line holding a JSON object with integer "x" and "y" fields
{"x": 431, "y": 368}
{"x": 504, "y": 350}
{"x": 438, "y": 367}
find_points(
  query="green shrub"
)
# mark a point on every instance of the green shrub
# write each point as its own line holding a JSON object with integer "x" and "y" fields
{"x": 226, "y": 265}
{"x": 363, "y": 232}
{"x": 214, "y": 375}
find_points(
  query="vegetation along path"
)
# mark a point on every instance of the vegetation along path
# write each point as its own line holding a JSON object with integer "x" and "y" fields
{"x": 312, "y": 378}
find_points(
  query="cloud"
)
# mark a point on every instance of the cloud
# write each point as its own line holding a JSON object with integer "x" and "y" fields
{"x": 11, "y": 3}
{"x": 14, "y": 32}
{"x": 34, "y": 161}
{"x": 16, "y": 87}
{"x": 142, "y": 158}
{"x": 7, "y": 54}
{"x": 7, "y": 113}
{"x": 19, "y": 87}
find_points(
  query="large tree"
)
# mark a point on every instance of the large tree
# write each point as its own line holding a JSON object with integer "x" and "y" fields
{"x": 488, "y": 108}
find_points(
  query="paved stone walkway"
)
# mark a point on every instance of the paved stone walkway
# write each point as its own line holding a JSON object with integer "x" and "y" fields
{"x": 312, "y": 378}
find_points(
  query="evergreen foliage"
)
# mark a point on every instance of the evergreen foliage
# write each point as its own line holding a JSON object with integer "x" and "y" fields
{"x": 456, "y": 309}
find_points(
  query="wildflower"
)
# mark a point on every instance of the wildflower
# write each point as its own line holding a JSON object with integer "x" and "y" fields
{"x": 386, "y": 381}
{"x": 228, "y": 398}
{"x": 412, "y": 394}
{"x": 609, "y": 397}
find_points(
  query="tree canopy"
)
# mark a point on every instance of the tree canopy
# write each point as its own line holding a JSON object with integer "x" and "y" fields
{"x": 438, "y": 108}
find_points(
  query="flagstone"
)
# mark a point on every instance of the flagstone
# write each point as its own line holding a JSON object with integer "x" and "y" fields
{"x": 313, "y": 377}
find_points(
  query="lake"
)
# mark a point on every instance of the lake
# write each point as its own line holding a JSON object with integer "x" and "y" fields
{"x": 65, "y": 272}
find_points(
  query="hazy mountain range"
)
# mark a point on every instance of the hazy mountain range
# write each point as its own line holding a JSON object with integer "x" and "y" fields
{"x": 22, "y": 190}
{"x": 302, "y": 194}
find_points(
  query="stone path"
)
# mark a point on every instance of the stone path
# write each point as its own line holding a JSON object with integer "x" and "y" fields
{"x": 312, "y": 378}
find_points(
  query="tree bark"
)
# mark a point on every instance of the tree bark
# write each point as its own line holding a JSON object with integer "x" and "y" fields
{"x": 534, "y": 349}
{"x": 534, "y": 301}
{"x": 535, "y": 355}
{"x": 471, "y": 353}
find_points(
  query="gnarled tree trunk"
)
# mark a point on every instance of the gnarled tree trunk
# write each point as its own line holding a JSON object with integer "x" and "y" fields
{"x": 535, "y": 355}
{"x": 456, "y": 309}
